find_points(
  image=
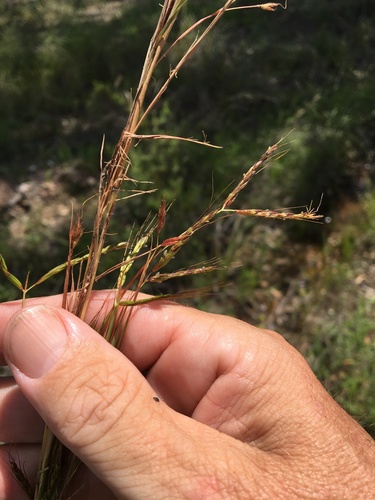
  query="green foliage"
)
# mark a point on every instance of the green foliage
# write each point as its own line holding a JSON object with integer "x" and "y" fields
{"x": 342, "y": 301}
{"x": 68, "y": 72}
{"x": 344, "y": 357}
{"x": 58, "y": 64}
{"x": 67, "y": 77}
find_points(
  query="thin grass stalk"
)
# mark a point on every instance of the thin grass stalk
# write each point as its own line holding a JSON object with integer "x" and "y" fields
{"x": 114, "y": 173}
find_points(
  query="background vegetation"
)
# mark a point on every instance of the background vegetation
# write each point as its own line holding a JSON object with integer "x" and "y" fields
{"x": 67, "y": 75}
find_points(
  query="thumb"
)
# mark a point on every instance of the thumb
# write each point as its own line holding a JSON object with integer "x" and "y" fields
{"x": 93, "y": 399}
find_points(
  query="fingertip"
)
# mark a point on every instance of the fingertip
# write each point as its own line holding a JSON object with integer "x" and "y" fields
{"x": 34, "y": 339}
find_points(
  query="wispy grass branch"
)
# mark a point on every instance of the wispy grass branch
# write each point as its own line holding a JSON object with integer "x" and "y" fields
{"x": 147, "y": 248}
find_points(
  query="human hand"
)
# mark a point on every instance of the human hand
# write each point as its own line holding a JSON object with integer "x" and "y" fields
{"x": 241, "y": 415}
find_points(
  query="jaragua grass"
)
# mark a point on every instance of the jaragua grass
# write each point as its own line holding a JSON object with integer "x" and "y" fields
{"x": 148, "y": 247}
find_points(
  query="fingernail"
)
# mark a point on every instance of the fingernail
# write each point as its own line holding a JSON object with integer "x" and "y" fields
{"x": 35, "y": 339}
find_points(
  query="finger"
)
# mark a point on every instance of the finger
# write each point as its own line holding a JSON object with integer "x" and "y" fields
{"x": 203, "y": 352}
{"x": 102, "y": 408}
{"x": 189, "y": 351}
{"x": 197, "y": 352}
{"x": 211, "y": 367}
{"x": 20, "y": 423}
{"x": 244, "y": 381}
{"x": 181, "y": 341}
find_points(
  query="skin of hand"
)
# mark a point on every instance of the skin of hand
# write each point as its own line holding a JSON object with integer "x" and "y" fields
{"x": 193, "y": 406}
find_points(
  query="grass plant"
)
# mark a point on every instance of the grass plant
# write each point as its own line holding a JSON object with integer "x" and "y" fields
{"x": 145, "y": 256}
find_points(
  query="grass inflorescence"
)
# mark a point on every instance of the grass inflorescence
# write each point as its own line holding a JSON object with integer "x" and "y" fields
{"x": 147, "y": 248}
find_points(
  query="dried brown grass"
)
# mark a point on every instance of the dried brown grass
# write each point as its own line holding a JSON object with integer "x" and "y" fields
{"x": 148, "y": 247}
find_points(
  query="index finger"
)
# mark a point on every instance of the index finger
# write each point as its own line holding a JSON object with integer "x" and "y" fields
{"x": 219, "y": 370}
{"x": 178, "y": 346}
